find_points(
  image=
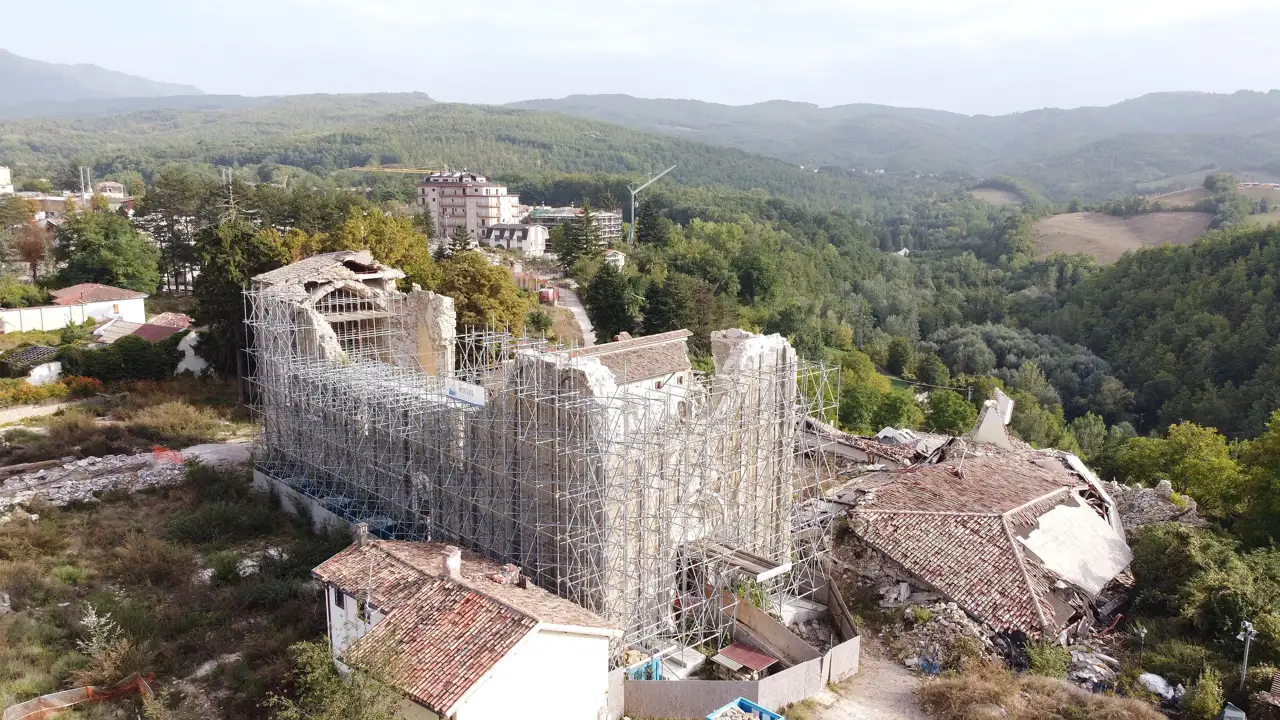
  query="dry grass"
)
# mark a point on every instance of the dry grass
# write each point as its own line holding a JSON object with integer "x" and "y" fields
{"x": 1181, "y": 198}
{"x": 1106, "y": 237}
{"x": 124, "y": 556}
{"x": 988, "y": 690}
{"x": 564, "y": 327}
{"x": 1265, "y": 219}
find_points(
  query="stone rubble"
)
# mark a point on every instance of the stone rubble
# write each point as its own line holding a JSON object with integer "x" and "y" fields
{"x": 1140, "y": 506}
{"x": 84, "y": 479}
{"x": 928, "y": 641}
{"x": 1091, "y": 668}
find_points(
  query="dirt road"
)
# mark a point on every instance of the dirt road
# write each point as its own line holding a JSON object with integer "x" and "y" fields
{"x": 882, "y": 690}
{"x": 569, "y": 299}
{"x": 17, "y": 414}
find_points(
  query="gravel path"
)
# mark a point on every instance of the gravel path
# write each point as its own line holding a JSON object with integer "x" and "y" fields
{"x": 569, "y": 299}
{"x": 22, "y": 412}
{"x": 882, "y": 690}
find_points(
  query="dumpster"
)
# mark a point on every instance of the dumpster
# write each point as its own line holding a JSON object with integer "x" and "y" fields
{"x": 741, "y": 709}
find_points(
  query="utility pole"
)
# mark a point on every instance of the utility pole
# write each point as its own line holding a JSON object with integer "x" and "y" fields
{"x": 1248, "y": 635}
{"x": 636, "y": 191}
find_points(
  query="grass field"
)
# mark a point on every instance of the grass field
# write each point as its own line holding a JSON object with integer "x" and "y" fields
{"x": 1265, "y": 219}
{"x": 1106, "y": 237}
{"x": 996, "y": 197}
{"x": 1272, "y": 195}
{"x": 1181, "y": 198}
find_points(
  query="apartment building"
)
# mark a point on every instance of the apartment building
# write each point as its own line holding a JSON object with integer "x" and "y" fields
{"x": 528, "y": 239}
{"x": 6, "y": 181}
{"x": 463, "y": 199}
{"x": 607, "y": 222}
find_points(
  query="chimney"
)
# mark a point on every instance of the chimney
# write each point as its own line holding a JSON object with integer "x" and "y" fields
{"x": 452, "y": 562}
{"x": 362, "y": 534}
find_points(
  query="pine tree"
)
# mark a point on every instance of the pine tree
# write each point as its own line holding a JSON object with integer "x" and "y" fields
{"x": 651, "y": 227}
{"x": 425, "y": 221}
{"x": 609, "y": 304}
{"x": 459, "y": 240}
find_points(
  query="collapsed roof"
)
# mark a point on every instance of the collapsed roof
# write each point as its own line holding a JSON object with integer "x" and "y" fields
{"x": 1021, "y": 539}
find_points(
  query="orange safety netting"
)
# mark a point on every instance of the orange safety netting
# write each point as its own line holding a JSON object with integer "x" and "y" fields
{"x": 49, "y": 705}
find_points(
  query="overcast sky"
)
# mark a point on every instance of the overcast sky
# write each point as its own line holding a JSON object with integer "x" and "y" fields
{"x": 973, "y": 56}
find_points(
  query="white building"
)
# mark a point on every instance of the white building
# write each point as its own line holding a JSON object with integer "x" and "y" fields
{"x": 528, "y": 239}
{"x": 462, "y": 199}
{"x": 110, "y": 189}
{"x": 608, "y": 223}
{"x": 615, "y": 258}
{"x": 462, "y": 637}
{"x": 6, "y": 181}
{"x": 73, "y": 305}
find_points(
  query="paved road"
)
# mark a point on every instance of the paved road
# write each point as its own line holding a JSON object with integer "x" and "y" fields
{"x": 569, "y": 299}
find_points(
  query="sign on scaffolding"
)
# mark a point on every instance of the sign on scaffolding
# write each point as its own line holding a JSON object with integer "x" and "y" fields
{"x": 465, "y": 392}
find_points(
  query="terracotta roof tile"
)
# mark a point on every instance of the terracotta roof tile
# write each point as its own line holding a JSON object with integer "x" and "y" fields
{"x": 156, "y": 333}
{"x": 955, "y": 530}
{"x": 91, "y": 293}
{"x": 439, "y": 636}
{"x": 171, "y": 319}
{"x": 443, "y": 640}
{"x": 642, "y": 358}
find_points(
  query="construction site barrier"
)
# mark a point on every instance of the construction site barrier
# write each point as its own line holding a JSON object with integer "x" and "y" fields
{"x": 47, "y": 706}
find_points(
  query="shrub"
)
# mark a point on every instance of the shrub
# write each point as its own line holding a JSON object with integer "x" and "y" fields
{"x": 226, "y": 568}
{"x": 82, "y": 387}
{"x": 176, "y": 423}
{"x": 148, "y": 560}
{"x": 1204, "y": 699}
{"x": 919, "y": 615}
{"x": 68, "y": 574}
{"x": 17, "y": 391}
{"x": 221, "y": 522}
{"x": 1048, "y": 659}
{"x": 990, "y": 690}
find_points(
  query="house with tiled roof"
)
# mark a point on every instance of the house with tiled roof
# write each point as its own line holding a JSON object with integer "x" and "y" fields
{"x": 461, "y": 636}
{"x": 1020, "y": 539}
{"x": 74, "y": 305}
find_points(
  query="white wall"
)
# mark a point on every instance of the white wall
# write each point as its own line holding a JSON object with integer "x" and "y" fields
{"x": 345, "y": 624}
{"x": 134, "y": 310}
{"x": 551, "y": 674}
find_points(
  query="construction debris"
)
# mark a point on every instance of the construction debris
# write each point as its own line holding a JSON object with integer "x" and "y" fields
{"x": 1140, "y": 506}
{"x": 84, "y": 479}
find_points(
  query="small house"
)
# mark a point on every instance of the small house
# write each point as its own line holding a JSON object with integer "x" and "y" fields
{"x": 615, "y": 258}
{"x": 461, "y": 636}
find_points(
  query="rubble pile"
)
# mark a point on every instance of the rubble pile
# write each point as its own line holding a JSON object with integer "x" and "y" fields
{"x": 928, "y": 641}
{"x": 1091, "y": 668}
{"x": 83, "y": 480}
{"x": 1140, "y": 506}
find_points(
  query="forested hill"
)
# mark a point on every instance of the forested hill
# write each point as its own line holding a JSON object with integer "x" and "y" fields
{"x": 323, "y": 133}
{"x": 1086, "y": 153}
{"x": 23, "y": 80}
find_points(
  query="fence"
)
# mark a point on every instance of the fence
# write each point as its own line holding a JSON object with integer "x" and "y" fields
{"x": 47, "y": 706}
{"x": 695, "y": 699}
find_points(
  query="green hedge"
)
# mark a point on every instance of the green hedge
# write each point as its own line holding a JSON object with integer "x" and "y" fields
{"x": 129, "y": 358}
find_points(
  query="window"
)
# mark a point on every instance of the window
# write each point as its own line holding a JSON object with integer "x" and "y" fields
{"x": 657, "y": 385}
{"x": 338, "y": 598}
{"x": 115, "y": 309}
{"x": 680, "y": 380}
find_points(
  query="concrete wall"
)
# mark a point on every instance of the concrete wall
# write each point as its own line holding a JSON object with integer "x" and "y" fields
{"x": 50, "y": 317}
{"x": 615, "y": 705}
{"x": 322, "y": 520}
{"x": 843, "y": 660}
{"x": 551, "y": 674}
{"x": 792, "y": 685}
{"x": 683, "y": 698}
{"x": 775, "y": 635}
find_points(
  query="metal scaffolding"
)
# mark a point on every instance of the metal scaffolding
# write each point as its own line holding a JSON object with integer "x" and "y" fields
{"x": 643, "y": 504}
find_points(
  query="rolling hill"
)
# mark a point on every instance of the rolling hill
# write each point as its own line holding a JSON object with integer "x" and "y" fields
{"x": 24, "y": 81}
{"x": 324, "y": 133}
{"x": 1090, "y": 153}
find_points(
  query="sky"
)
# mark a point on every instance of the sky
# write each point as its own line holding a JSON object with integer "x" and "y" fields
{"x": 970, "y": 56}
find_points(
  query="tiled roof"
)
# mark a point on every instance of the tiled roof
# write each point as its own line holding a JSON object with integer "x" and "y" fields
{"x": 643, "y": 358}
{"x": 91, "y": 293}
{"x": 443, "y": 640}
{"x": 171, "y": 319}
{"x": 326, "y": 267}
{"x": 440, "y": 636}
{"x": 955, "y": 529}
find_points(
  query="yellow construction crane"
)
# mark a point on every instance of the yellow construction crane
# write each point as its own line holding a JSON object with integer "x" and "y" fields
{"x": 403, "y": 170}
